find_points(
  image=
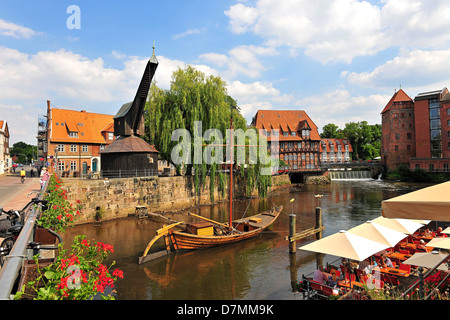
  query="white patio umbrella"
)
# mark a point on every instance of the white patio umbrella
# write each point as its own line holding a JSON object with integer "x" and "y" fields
{"x": 442, "y": 243}
{"x": 378, "y": 233}
{"x": 428, "y": 203}
{"x": 446, "y": 230}
{"x": 427, "y": 259}
{"x": 401, "y": 225}
{"x": 346, "y": 245}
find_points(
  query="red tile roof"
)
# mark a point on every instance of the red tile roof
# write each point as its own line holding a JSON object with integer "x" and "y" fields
{"x": 399, "y": 96}
{"x": 334, "y": 144}
{"x": 285, "y": 120}
{"x": 89, "y": 126}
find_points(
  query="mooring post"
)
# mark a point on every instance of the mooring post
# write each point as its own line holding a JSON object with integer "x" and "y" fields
{"x": 318, "y": 222}
{"x": 292, "y": 243}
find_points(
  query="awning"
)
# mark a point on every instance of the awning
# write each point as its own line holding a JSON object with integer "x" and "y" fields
{"x": 428, "y": 260}
{"x": 431, "y": 203}
{"x": 346, "y": 245}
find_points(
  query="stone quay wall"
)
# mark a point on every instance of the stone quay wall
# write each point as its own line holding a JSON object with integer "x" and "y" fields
{"x": 118, "y": 198}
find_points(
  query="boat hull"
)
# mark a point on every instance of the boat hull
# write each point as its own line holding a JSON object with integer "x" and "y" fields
{"x": 249, "y": 229}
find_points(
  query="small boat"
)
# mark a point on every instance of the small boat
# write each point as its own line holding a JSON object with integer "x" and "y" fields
{"x": 209, "y": 233}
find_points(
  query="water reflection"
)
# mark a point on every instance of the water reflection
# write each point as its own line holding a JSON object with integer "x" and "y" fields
{"x": 259, "y": 268}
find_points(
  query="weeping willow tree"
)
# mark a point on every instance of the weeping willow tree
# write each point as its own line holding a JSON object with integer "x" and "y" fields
{"x": 194, "y": 99}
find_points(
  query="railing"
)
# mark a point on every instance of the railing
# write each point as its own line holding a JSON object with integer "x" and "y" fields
{"x": 110, "y": 174}
{"x": 19, "y": 252}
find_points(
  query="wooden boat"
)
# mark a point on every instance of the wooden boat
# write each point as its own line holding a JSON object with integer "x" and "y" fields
{"x": 209, "y": 233}
{"x": 192, "y": 238}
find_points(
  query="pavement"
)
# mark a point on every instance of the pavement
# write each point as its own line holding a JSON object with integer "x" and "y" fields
{"x": 14, "y": 194}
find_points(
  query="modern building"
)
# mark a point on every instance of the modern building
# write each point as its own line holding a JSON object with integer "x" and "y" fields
{"x": 417, "y": 133}
{"x": 75, "y": 139}
{"x": 5, "y": 158}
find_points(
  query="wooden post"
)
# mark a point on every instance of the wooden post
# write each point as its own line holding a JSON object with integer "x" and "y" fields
{"x": 318, "y": 222}
{"x": 292, "y": 243}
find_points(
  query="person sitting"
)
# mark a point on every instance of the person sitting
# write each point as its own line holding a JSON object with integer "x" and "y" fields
{"x": 319, "y": 276}
{"x": 385, "y": 261}
{"x": 439, "y": 233}
{"x": 421, "y": 246}
{"x": 333, "y": 279}
{"x": 427, "y": 233}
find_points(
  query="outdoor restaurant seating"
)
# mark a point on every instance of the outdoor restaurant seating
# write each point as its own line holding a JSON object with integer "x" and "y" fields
{"x": 401, "y": 274}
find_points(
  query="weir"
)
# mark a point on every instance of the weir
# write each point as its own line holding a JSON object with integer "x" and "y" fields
{"x": 349, "y": 175}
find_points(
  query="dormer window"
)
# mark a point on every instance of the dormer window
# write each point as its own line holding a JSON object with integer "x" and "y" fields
{"x": 73, "y": 134}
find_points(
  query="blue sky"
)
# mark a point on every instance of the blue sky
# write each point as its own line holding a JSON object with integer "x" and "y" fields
{"x": 339, "y": 60}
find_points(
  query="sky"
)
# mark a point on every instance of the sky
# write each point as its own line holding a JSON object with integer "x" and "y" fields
{"x": 338, "y": 60}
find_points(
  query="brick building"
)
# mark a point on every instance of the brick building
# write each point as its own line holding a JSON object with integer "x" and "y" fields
{"x": 299, "y": 142}
{"x": 76, "y": 138}
{"x": 335, "y": 151}
{"x": 417, "y": 133}
{"x": 398, "y": 134}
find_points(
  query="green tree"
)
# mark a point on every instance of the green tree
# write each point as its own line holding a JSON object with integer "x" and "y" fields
{"x": 23, "y": 152}
{"x": 192, "y": 97}
{"x": 331, "y": 131}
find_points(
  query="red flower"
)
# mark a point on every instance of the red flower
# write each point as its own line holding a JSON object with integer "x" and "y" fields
{"x": 118, "y": 273}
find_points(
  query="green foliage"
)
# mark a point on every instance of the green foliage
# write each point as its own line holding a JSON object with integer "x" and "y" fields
{"x": 76, "y": 275}
{"x": 364, "y": 138}
{"x": 192, "y": 97}
{"x": 24, "y": 152}
{"x": 59, "y": 213}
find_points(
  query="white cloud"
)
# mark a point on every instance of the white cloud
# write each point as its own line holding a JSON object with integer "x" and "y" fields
{"x": 410, "y": 68}
{"x": 340, "y": 107}
{"x": 241, "y": 17}
{"x": 13, "y": 30}
{"x": 188, "y": 33}
{"x": 340, "y": 30}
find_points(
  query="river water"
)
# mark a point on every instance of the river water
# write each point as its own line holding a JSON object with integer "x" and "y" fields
{"x": 259, "y": 269}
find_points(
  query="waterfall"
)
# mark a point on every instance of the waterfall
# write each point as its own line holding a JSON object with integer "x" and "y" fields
{"x": 349, "y": 175}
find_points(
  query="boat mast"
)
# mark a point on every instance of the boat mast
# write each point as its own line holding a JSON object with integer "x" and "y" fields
{"x": 230, "y": 218}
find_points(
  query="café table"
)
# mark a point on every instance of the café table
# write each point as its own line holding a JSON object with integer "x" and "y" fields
{"x": 413, "y": 246}
{"x": 346, "y": 284}
{"x": 394, "y": 272}
{"x": 398, "y": 256}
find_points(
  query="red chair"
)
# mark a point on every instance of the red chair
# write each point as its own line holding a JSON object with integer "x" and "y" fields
{"x": 405, "y": 267}
{"x": 402, "y": 251}
{"x": 352, "y": 277}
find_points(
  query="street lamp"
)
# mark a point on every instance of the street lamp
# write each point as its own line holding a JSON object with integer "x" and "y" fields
{"x": 56, "y": 161}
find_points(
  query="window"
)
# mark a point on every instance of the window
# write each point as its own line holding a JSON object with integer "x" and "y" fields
{"x": 73, "y": 148}
{"x": 293, "y": 133}
{"x": 285, "y": 133}
{"x": 73, "y": 165}
{"x": 396, "y": 148}
{"x": 60, "y": 148}
{"x": 61, "y": 165}
{"x": 448, "y": 122}
{"x": 110, "y": 136}
{"x": 448, "y": 111}
{"x": 397, "y": 136}
{"x": 408, "y": 147}
{"x": 102, "y": 147}
{"x": 85, "y": 148}
{"x": 431, "y": 167}
{"x": 445, "y": 166}
{"x": 73, "y": 134}
{"x": 417, "y": 166}
{"x": 408, "y": 135}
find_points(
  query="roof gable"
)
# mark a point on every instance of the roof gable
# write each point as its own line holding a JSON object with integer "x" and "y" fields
{"x": 399, "y": 96}
{"x": 285, "y": 120}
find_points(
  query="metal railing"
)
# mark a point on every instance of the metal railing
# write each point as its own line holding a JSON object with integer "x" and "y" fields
{"x": 19, "y": 253}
